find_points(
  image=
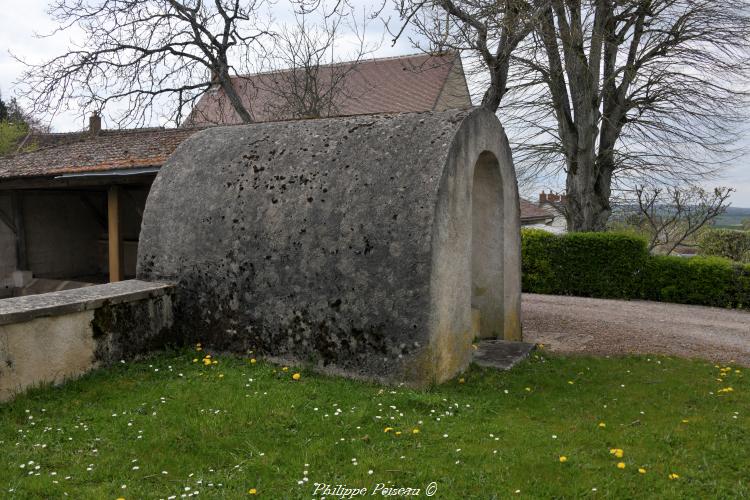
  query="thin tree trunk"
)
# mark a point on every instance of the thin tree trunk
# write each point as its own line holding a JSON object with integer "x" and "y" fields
{"x": 234, "y": 98}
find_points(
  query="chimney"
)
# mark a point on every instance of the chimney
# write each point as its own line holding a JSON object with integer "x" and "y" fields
{"x": 542, "y": 198}
{"x": 95, "y": 123}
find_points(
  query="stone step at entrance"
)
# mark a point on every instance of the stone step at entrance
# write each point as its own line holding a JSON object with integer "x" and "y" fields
{"x": 501, "y": 354}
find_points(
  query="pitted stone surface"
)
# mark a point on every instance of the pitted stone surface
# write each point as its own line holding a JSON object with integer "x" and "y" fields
{"x": 342, "y": 242}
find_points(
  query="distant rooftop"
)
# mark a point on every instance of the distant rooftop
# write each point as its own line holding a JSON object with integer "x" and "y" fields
{"x": 413, "y": 83}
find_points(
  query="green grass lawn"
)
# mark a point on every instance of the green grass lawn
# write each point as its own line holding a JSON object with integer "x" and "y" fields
{"x": 170, "y": 427}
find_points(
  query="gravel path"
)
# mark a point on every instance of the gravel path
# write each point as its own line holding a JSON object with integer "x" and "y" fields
{"x": 597, "y": 326}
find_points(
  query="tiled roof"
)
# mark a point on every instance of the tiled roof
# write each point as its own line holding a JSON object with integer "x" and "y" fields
{"x": 390, "y": 85}
{"x": 531, "y": 212}
{"x": 82, "y": 152}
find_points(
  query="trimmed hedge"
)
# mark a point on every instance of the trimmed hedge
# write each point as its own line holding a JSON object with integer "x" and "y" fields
{"x": 584, "y": 264}
{"x": 708, "y": 281}
{"x": 616, "y": 265}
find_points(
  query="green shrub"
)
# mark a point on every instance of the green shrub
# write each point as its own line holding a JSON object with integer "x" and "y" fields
{"x": 734, "y": 245}
{"x": 583, "y": 264}
{"x": 612, "y": 265}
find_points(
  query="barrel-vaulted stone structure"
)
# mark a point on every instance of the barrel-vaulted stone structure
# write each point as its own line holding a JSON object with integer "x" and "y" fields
{"x": 360, "y": 245}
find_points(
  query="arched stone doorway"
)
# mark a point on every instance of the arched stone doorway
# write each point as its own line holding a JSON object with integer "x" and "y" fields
{"x": 487, "y": 246}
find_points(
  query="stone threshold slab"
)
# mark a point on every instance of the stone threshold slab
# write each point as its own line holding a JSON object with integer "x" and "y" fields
{"x": 501, "y": 354}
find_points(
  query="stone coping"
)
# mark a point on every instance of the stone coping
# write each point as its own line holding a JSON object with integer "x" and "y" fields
{"x": 20, "y": 309}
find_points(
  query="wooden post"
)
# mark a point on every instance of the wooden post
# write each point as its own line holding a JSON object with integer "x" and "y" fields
{"x": 113, "y": 230}
{"x": 16, "y": 201}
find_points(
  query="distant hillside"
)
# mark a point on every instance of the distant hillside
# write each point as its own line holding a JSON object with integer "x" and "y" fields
{"x": 733, "y": 217}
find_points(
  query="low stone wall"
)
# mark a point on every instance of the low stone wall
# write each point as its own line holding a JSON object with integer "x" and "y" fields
{"x": 57, "y": 336}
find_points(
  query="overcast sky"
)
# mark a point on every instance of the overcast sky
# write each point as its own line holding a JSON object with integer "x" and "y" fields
{"x": 21, "y": 19}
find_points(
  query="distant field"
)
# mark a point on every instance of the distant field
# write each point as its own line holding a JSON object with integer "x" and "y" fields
{"x": 733, "y": 218}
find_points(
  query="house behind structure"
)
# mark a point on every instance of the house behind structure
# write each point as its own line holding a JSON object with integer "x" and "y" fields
{"x": 70, "y": 209}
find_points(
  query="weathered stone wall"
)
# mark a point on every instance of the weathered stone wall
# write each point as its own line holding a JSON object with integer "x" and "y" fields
{"x": 52, "y": 337}
{"x": 342, "y": 242}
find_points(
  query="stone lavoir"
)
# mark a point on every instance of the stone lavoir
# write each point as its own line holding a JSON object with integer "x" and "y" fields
{"x": 376, "y": 247}
{"x": 358, "y": 245}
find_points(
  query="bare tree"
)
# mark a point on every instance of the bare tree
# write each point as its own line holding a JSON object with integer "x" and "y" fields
{"x": 305, "y": 74}
{"x": 140, "y": 56}
{"x": 489, "y": 31}
{"x": 611, "y": 91}
{"x": 642, "y": 89}
{"x": 672, "y": 216}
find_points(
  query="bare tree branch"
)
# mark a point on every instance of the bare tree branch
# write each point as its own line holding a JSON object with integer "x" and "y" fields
{"x": 142, "y": 55}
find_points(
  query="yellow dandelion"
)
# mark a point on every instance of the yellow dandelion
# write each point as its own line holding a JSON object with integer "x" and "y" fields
{"x": 398, "y": 433}
{"x": 252, "y": 491}
{"x": 415, "y": 431}
{"x": 195, "y": 360}
{"x": 528, "y": 389}
{"x": 461, "y": 380}
{"x": 214, "y": 362}
{"x": 685, "y": 421}
{"x": 206, "y": 361}
{"x": 602, "y": 425}
{"x": 674, "y": 476}
{"x": 571, "y": 382}
{"x": 620, "y": 465}
{"x": 221, "y": 375}
{"x": 296, "y": 376}
{"x": 388, "y": 429}
{"x": 285, "y": 369}
{"x": 641, "y": 470}
{"x": 253, "y": 361}
{"x": 563, "y": 459}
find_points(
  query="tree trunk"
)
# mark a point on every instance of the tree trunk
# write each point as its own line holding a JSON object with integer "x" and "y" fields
{"x": 234, "y": 98}
{"x": 588, "y": 188}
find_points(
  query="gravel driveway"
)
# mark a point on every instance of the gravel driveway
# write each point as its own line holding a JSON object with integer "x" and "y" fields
{"x": 597, "y": 326}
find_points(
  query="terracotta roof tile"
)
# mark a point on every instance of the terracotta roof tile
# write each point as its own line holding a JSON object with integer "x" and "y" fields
{"x": 82, "y": 152}
{"x": 390, "y": 85}
{"x": 531, "y": 212}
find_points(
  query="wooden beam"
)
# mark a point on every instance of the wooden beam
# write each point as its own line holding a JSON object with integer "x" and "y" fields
{"x": 16, "y": 201}
{"x": 113, "y": 230}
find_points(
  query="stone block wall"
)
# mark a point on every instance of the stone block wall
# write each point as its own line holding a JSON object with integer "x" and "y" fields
{"x": 52, "y": 337}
